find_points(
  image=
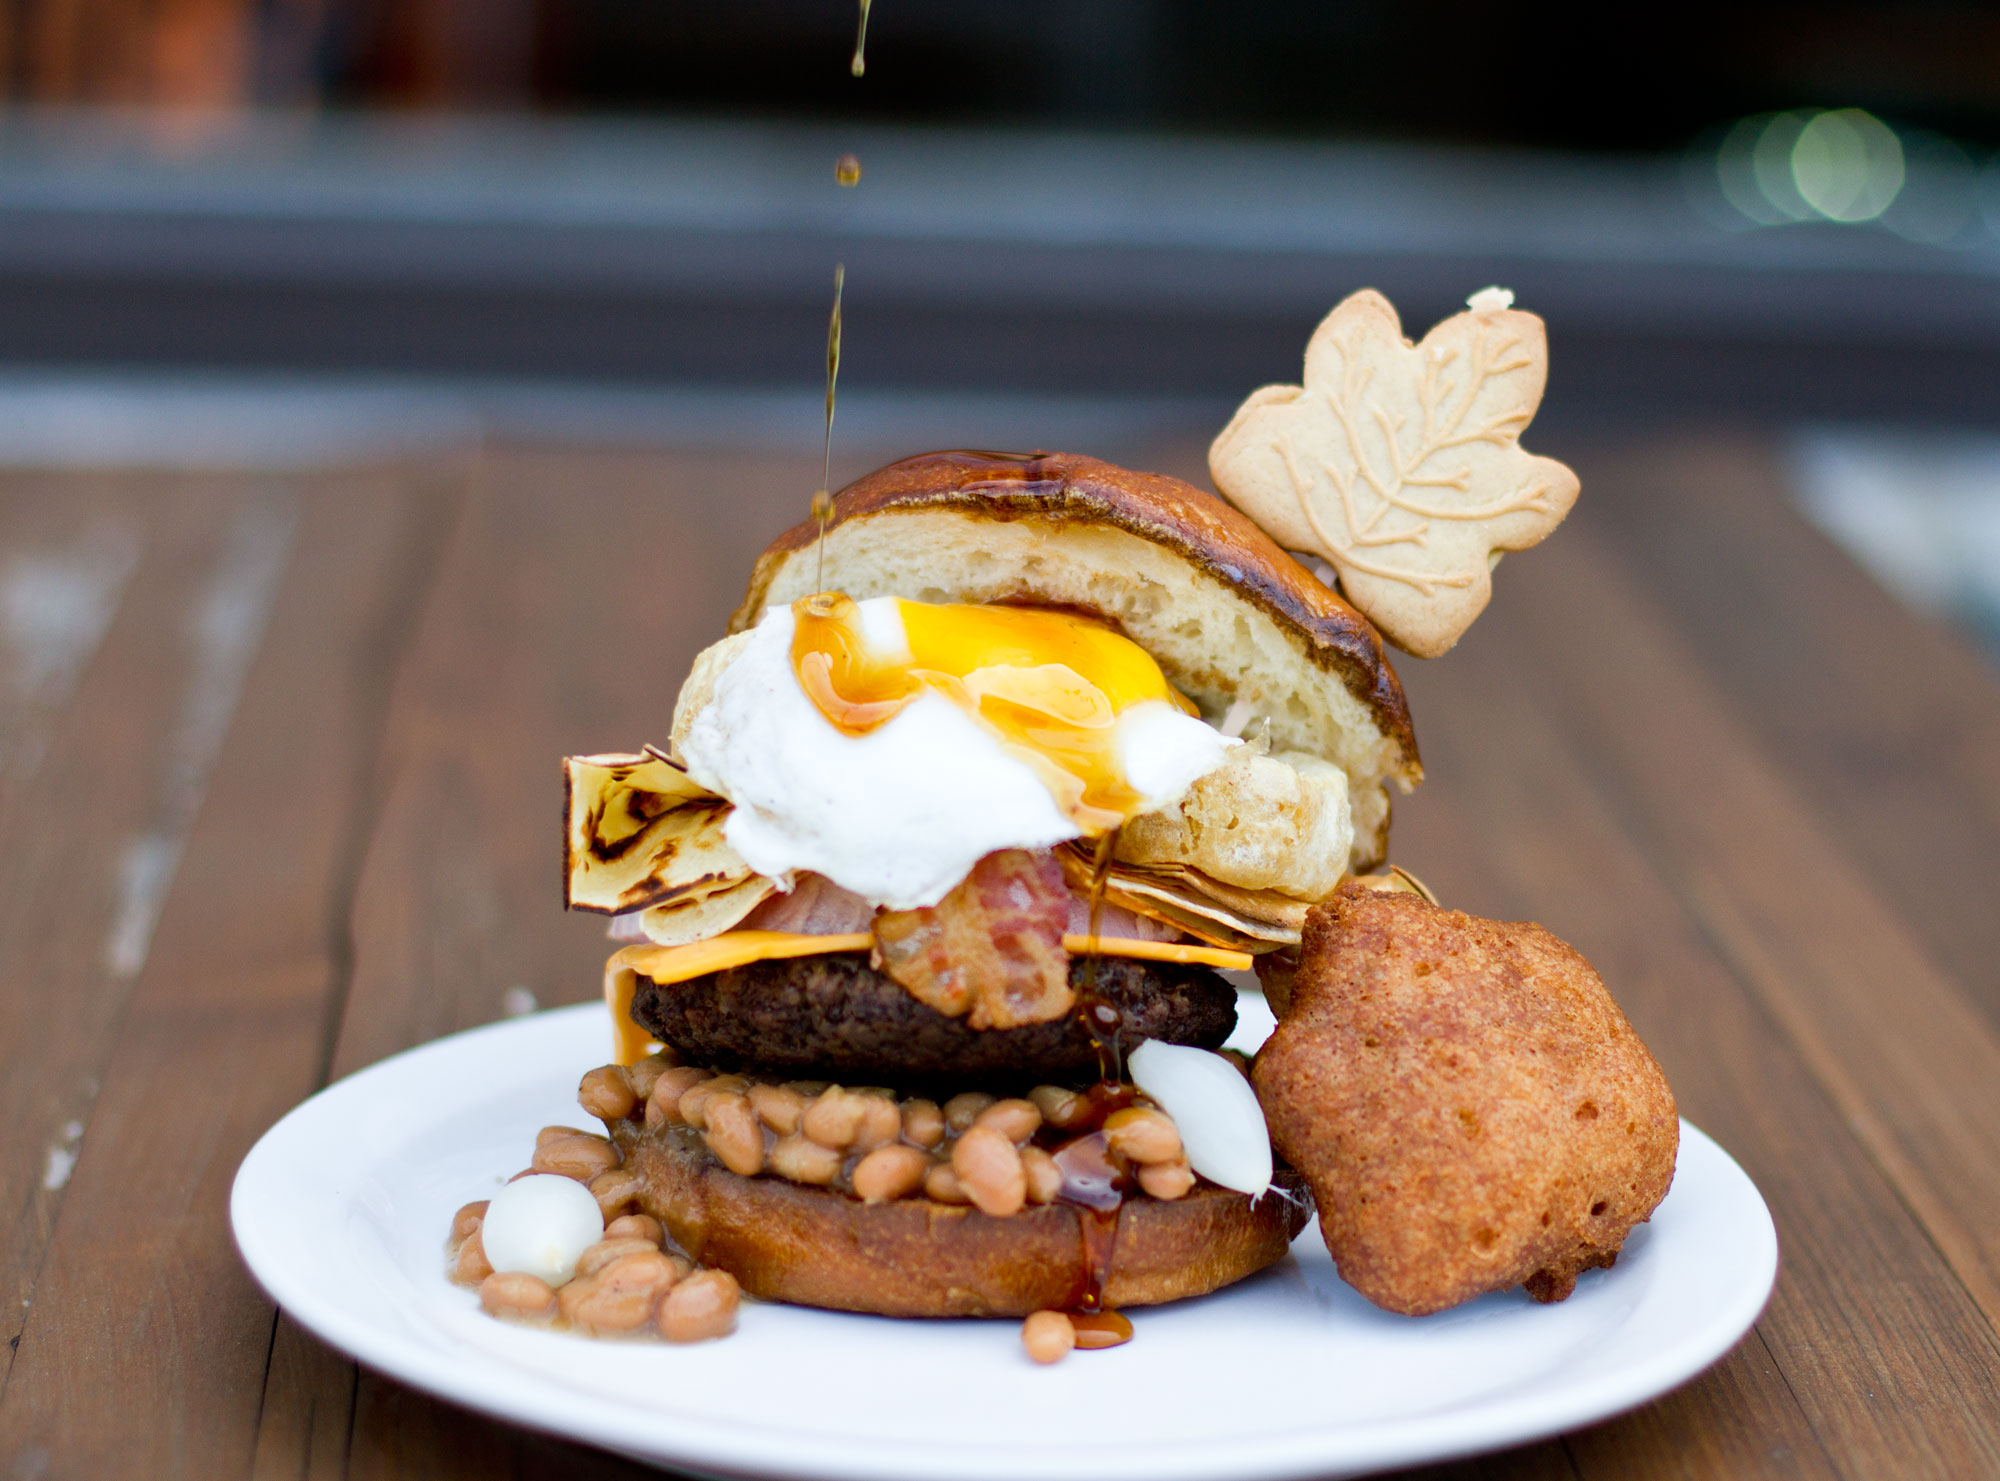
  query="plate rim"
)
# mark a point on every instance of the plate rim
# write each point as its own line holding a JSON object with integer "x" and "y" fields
{"x": 521, "y": 1397}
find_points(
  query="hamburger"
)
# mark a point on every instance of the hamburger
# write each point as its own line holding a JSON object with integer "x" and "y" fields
{"x": 924, "y": 899}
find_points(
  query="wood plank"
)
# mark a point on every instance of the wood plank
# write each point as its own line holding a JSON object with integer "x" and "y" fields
{"x": 1892, "y": 1364}
{"x": 400, "y": 1433}
{"x": 147, "y": 1345}
{"x": 304, "y": 1424}
{"x": 1887, "y": 722}
{"x": 1740, "y": 1418}
{"x": 572, "y": 601}
{"x": 78, "y": 782}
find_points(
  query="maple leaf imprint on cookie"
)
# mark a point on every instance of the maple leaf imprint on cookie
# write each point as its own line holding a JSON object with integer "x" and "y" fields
{"x": 1401, "y": 465}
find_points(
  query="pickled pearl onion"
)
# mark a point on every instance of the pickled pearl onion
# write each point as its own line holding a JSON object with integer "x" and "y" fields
{"x": 1221, "y": 1124}
{"x": 541, "y": 1225}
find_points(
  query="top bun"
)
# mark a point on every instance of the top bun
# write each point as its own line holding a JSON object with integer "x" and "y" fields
{"x": 1229, "y": 616}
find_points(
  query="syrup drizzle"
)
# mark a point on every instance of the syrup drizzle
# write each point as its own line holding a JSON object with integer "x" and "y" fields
{"x": 822, "y": 499}
{"x": 860, "y": 63}
{"x": 1100, "y": 1019}
{"x": 1100, "y": 1236}
{"x": 1094, "y": 1183}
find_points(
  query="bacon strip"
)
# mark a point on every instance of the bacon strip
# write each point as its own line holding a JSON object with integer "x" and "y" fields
{"x": 991, "y": 948}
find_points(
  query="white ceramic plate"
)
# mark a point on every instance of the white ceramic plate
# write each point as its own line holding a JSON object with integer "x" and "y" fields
{"x": 342, "y": 1208}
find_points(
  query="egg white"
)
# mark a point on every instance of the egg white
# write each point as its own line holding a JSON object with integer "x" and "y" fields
{"x": 901, "y": 814}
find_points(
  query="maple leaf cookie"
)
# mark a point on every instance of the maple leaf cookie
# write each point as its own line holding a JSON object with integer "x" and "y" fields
{"x": 1401, "y": 465}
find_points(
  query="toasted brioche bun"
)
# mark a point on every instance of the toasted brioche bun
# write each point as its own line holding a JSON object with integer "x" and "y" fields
{"x": 1228, "y": 615}
{"x": 915, "y": 1257}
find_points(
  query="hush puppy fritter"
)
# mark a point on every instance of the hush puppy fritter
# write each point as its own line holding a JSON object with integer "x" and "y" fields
{"x": 1469, "y": 1104}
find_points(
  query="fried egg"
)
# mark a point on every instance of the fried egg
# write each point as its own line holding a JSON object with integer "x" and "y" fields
{"x": 890, "y": 744}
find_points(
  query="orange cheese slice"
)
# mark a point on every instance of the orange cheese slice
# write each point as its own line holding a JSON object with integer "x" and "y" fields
{"x": 664, "y": 964}
{"x": 1159, "y": 951}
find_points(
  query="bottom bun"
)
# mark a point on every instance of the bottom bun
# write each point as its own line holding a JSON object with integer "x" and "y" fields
{"x": 916, "y": 1257}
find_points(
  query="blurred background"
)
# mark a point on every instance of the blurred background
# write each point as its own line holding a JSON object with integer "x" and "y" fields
{"x": 290, "y": 231}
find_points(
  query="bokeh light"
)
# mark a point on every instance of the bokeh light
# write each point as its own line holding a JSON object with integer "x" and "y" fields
{"x": 1845, "y": 165}
{"x": 1939, "y": 202}
{"x": 1848, "y": 165}
{"x": 1771, "y": 165}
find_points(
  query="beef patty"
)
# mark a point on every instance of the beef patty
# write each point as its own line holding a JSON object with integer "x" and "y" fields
{"x": 835, "y": 1017}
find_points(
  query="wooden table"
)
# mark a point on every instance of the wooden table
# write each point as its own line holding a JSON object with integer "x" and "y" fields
{"x": 277, "y": 789}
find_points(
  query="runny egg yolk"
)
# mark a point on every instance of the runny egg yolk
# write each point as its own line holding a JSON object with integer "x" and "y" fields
{"x": 1050, "y": 685}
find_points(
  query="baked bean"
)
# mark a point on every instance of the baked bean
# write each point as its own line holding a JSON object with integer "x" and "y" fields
{"x": 694, "y": 1105}
{"x": 881, "y": 1123}
{"x": 1016, "y": 1120}
{"x": 636, "y": 1226}
{"x": 1166, "y": 1180}
{"x": 777, "y": 1107}
{"x": 889, "y": 1173}
{"x": 641, "y": 1076}
{"x": 923, "y": 1123}
{"x": 683, "y": 1266}
{"x": 471, "y": 1267}
{"x": 804, "y": 1160}
{"x": 620, "y": 1296}
{"x": 962, "y": 1110}
{"x": 734, "y": 1134}
{"x": 989, "y": 1169}
{"x": 1061, "y": 1108}
{"x": 834, "y": 1119}
{"x": 663, "y": 1101}
{"x": 516, "y": 1293}
{"x": 807, "y": 1089}
{"x": 1143, "y": 1134}
{"x": 467, "y": 1219}
{"x": 555, "y": 1133}
{"x": 610, "y": 1249}
{"x": 700, "y": 1307}
{"x": 615, "y": 1191}
{"x": 581, "y": 1156}
{"x": 942, "y": 1185}
{"x": 1048, "y": 1336}
{"x": 607, "y": 1094}
{"x": 1045, "y": 1179}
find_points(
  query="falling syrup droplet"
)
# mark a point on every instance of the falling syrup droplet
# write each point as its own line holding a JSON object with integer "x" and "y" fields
{"x": 847, "y": 170}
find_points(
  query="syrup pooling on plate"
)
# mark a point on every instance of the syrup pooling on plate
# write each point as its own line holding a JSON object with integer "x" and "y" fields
{"x": 1052, "y": 686}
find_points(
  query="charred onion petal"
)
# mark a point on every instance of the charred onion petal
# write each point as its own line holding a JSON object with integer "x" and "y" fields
{"x": 638, "y": 832}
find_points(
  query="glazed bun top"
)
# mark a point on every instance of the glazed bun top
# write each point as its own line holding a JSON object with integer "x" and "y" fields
{"x": 1230, "y": 617}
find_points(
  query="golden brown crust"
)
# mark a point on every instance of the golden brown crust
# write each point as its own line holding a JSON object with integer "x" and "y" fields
{"x": 1471, "y": 1107}
{"x": 1070, "y": 488}
{"x": 915, "y": 1257}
